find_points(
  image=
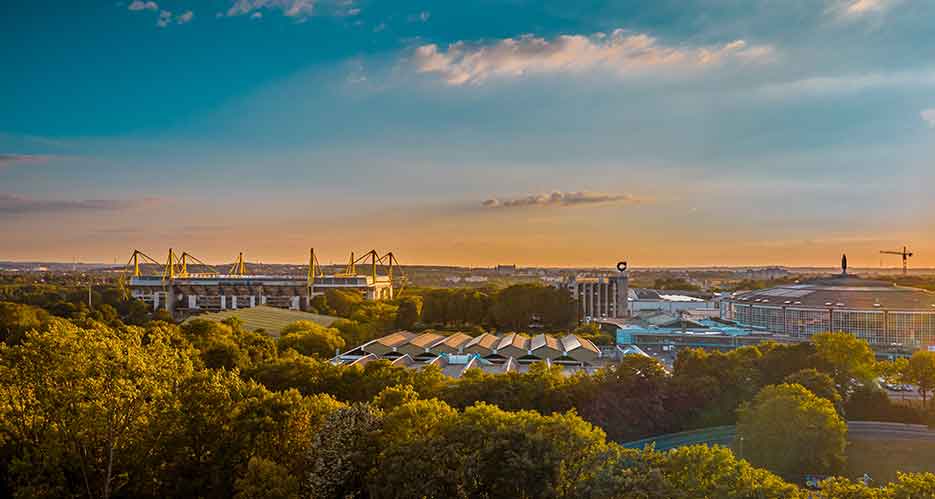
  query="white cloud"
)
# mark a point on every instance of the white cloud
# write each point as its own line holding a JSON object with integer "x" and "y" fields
{"x": 289, "y": 8}
{"x": 928, "y": 115}
{"x": 559, "y": 199}
{"x": 622, "y": 51}
{"x": 164, "y": 18}
{"x": 852, "y": 9}
{"x": 141, "y": 5}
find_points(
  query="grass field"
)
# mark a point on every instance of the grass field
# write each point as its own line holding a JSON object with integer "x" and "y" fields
{"x": 269, "y": 319}
{"x": 883, "y": 458}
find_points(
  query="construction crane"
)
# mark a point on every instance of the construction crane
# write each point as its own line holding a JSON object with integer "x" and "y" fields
{"x": 905, "y": 253}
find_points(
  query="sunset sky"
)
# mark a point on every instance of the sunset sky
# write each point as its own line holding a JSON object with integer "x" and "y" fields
{"x": 559, "y": 133}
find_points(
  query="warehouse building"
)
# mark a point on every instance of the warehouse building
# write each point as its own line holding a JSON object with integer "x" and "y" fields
{"x": 456, "y": 353}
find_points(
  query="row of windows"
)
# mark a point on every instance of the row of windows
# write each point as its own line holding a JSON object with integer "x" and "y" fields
{"x": 597, "y": 299}
{"x": 877, "y": 327}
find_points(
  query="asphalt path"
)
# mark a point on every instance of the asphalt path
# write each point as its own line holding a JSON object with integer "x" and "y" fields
{"x": 725, "y": 435}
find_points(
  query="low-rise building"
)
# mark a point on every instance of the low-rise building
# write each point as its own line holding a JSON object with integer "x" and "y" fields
{"x": 456, "y": 353}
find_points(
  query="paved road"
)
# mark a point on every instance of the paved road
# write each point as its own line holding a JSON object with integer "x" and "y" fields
{"x": 724, "y": 435}
{"x": 868, "y": 430}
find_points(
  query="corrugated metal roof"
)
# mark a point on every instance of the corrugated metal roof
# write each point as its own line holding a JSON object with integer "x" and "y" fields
{"x": 506, "y": 340}
{"x": 425, "y": 340}
{"x": 485, "y": 340}
{"x": 545, "y": 341}
{"x": 570, "y": 342}
{"x": 455, "y": 341}
{"x": 396, "y": 339}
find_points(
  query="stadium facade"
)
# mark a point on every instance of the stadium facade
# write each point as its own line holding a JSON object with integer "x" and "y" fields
{"x": 883, "y": 314}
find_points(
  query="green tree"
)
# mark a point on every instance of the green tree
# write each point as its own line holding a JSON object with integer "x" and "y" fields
{"x": 343, "y": 453}
{"x": 818, "y": 383}
{"x": 320, "y": 305}
{"x": 700, "y": 471}
{"x": 17, "y": 319}
{"x": 791, "y": 431}
{"x": 519, "y": 305}
{"x": 630, "y": 399}
{"x": 849, "y": 360}
{"x": 842, "y": 488}
{"x": 76, "y": 401}
{"x": 310, "y": 338}
{"x": 726, "y": 378}
{"x": 264, "y": 479}
{"x": 343, "y": 303}
{"x": 220, "y": 421}
{"x": 911, "y": 486}
{"x": 409, "y": 312}
{"x": 226, "y": 345}
{"x": 392, "y": 397}
{"x": 920, "y": 371}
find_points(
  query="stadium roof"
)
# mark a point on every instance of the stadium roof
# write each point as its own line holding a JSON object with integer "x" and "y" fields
{"x": 842, "y": 292}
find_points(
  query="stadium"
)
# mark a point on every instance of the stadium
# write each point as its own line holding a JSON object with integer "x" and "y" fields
{"x": 885, "y": 315}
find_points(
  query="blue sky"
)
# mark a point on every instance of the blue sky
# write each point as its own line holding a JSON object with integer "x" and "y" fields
{"x": 671, "y": 132}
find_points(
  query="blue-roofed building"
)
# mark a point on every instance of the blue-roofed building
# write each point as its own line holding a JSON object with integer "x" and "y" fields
{"x": 667, "y": 331}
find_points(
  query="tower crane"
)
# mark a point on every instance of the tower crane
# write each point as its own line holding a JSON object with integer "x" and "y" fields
{"x": 905, "y": 253}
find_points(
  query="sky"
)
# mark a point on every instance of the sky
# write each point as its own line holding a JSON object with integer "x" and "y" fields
{"x": 552, "y": 133}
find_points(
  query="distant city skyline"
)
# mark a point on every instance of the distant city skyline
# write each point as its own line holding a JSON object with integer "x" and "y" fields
{"x": 668, "y": 133}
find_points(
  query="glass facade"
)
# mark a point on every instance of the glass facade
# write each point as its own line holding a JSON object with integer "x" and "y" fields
{"x": 870, "y": 326}
{"x": 802, "y": 322}
{"x": 878, "y": 327}
{"x": 915, "y": 329}
{"x": 742, "y": 313}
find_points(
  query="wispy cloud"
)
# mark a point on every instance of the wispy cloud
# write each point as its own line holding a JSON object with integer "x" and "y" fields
{"x": 928, "y": 115}
{"x": 289, "y": 8}
{"x": 621, "y": 51}
{"x": 141, "y": 5}
{"x": 185, "y": 17}
{"x": 861, "y": 8}
{"x": 421, "y": 17}
{"x": 165, "y": 17}
{"x": 12, "y": 159}
{"x": 12, "y": 204}
{"x": 558, "y": 198}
